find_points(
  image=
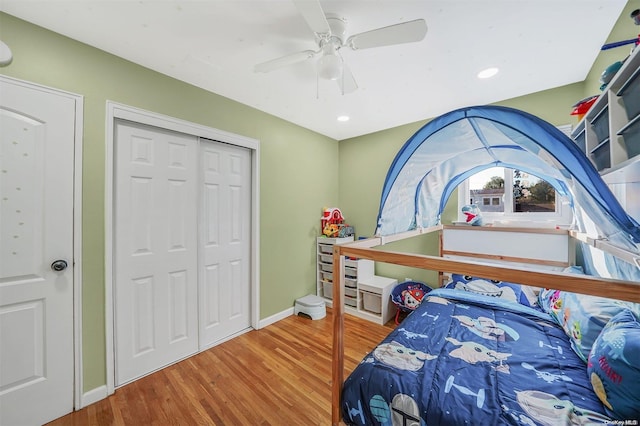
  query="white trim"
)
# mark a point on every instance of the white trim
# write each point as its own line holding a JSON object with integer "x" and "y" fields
{"x": 150, "y": 118}
{"x": 94, "y": 395}
{"x": 119, "y": 111}
{"x": 108, "y": 250}
{"x": 77, "y": 226}
{"x": 275, "y": 318}
{"x": 255, "y": 237}
{"x": 77, "y": 251}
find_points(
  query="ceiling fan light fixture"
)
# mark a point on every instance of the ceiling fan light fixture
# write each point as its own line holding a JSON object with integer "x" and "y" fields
{"x": 330, "y": 64}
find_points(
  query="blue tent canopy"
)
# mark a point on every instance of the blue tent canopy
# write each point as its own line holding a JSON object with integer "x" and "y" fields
{"x": 454, "y": 146}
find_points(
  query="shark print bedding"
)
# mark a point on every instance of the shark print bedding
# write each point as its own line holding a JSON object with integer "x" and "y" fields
{"x": 464, "y": 358}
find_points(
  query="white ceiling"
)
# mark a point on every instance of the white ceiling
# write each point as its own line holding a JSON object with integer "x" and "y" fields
{"x": 214, "y": 44}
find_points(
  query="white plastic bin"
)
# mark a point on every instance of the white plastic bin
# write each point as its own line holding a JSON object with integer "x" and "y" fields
{"x": 371, "y": 302}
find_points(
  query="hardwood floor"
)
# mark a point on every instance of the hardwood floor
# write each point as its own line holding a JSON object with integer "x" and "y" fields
{"x": 280, "y": 375}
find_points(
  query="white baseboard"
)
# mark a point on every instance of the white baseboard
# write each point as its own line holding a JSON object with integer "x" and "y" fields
{"x": 275, "y": 318}
{"x": 94, "y": 395}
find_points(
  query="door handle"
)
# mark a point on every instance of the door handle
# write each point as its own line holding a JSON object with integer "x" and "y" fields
{"x": 59, "y": 265}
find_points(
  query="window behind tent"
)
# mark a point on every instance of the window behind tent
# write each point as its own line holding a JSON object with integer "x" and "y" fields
{"x": 504, "y": 193}
{"x": 530, "y": 194}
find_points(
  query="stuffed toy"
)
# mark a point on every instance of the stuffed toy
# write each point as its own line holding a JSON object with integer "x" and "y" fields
{"x": 412, "y": 297}
{"x": 472, "y": 215}
{"x": 331, "y": 230}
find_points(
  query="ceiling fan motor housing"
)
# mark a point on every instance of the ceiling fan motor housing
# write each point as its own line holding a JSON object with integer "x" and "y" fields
{"x": 338, "y": 27}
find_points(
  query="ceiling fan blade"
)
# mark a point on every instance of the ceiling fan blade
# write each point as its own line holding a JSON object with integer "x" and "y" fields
{"x": 312, "y": 12}
{"x": 347, "y": 82}
{"x": 284, "y": 61}
{"x": 405, "y": 32}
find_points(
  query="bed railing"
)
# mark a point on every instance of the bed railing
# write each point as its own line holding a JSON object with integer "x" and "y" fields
{"x": 586, "y": 284}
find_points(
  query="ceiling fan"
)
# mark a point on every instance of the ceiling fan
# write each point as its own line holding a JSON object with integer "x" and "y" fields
{"x": 330, "y": 31}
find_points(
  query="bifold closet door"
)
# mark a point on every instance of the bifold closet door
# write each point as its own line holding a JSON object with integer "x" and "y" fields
{"x": 155, "y": 248}
{"x": 225, "y": 236}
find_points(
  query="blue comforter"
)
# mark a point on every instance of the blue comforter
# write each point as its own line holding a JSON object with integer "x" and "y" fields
{"x": 468, "y": 359}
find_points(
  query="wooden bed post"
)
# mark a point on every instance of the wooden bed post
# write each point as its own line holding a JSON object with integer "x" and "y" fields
{"x": 338, "y": 336}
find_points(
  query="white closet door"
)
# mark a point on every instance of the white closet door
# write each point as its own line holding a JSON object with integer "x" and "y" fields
{"x": 225, "y": 239}
{"x": 155, "y": 246}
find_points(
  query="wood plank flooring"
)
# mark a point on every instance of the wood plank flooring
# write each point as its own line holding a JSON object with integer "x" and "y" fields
{"x": 280, "y": 375}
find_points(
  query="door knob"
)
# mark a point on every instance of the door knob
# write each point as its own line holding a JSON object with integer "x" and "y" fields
{"x": 59, "y": 265}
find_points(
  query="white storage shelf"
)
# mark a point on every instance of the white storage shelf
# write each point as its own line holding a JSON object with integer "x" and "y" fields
{"x": 366, "y": 295}
{"x": 609, "y": 134}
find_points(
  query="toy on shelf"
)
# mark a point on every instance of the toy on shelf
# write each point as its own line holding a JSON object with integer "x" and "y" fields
{"x": 331, "y": 215}
{"x": 332, "y": 224}
{"x": 608, "y": 73}
{"x": 581, "y": 107}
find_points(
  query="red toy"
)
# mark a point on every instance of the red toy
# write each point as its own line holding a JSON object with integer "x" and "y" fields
{"x": 580, "y": 108}
{"x": 331, "y": 215}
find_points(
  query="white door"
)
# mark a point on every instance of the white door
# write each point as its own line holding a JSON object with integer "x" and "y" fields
{"x": 156, "y": 213}
{"x": 225, "y": 238}
{"x": 37, "y": 129}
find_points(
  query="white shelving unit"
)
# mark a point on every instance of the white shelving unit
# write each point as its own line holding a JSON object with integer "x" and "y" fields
{"x": 366, "y": 295}
{"x": 609, "y": 134}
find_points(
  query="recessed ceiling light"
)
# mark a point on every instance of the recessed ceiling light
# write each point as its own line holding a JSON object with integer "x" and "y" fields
{"x": 488, "y": 73}
{"x": 343, "y": 118}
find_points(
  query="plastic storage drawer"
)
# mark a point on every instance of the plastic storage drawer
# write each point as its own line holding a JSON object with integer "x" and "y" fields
{"x": 350, "y": 272}
{"x": 631, "y": 137}
{"x": 581, "y": 141}
{"x": 600, "y": 124}
{"x": 601, "y": 156}
{"x": 350, "y": 301}
{"x": 371, "y": 302}
{"x": 631, "y": 95}
{"x": 327, "y": 290}
{"x": 326, "y": 267}
{"x": 326, "y": 249}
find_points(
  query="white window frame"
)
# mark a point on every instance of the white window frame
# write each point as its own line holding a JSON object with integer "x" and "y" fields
{"x": 563, "y": 216}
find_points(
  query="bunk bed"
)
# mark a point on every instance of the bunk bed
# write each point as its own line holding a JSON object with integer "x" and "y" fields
{"x": 469, "y": 358}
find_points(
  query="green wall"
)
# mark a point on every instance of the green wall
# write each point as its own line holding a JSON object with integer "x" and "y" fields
{"x": 298, "y": 168}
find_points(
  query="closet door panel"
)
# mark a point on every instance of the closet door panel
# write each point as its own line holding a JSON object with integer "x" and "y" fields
{"x": 155, "y": 249}
{"x": 225, "y": 245}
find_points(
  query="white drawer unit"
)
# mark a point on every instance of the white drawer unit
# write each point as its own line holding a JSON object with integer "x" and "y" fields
{"x": 366, "y": 295}
{"x": 375, "y": 297}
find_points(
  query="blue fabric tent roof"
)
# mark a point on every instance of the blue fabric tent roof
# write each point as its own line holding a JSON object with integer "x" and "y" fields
{"x": 454, "y": 146}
